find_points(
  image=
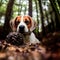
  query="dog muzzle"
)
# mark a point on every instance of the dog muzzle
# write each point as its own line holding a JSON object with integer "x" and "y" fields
{"x": 21, "y": 29}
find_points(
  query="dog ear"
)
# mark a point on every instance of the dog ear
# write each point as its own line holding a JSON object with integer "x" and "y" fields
{"x": 12, "y": 24}
{"x": 34, "y": 24}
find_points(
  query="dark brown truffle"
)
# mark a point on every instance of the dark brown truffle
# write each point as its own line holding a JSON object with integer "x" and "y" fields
{"x": 15, "y": 38}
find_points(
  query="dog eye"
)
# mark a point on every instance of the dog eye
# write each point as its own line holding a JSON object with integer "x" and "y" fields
{"x": 27, "y": 22}
{"x": 17, "y": 22}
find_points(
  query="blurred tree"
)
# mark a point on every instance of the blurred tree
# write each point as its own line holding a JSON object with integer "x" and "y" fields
{"x": 48, "y": 23}
{"x": 57, "y": 15}
{"x": 52, "y": 19}
{"x": 25, "y": 10}
{"x": 42, "y": 17}
{"x": 37, "y": 10}
{"x": 53, "y": 28}
{"x": 9, "y": 10}
{"x": 30, "y": 8}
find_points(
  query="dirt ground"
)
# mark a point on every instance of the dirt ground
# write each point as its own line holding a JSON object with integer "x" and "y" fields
{"x": 49, "y": 49}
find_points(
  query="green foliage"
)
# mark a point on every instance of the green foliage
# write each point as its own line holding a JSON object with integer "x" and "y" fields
{"x": 3, "y": 5}
{"x": 15, "y": 9}
{"x": 2, "y": 10}
{"x": 36, "y": 30}
{"x": 57, "y": 5}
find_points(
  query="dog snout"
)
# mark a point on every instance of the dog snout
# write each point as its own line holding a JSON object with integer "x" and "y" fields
{"x": 21, "y": 28}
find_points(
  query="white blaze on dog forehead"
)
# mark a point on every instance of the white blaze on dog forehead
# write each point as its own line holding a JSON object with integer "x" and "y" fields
{"x": 22, "y": 23}
{"x": 22, "y": 18}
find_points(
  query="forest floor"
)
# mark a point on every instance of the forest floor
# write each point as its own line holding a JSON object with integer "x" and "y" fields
{"x": 47, "y": 50}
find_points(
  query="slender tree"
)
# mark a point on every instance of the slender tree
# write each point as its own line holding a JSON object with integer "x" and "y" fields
{"x": 57, "y": 15}
{"x": 37, "y": 11}
{"x": 30, "y": 8}
{"x": 47, "y": 19}
{"x": 9, "y": 10}
{"x": 42, "y": 17}
{"x": 52, "y": 22}
{"x": 25, "y": 10}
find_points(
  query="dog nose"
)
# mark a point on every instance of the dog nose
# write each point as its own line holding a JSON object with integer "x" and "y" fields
{"x": 21, "y": 28}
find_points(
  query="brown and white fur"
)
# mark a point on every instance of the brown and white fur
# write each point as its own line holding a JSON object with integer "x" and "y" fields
{"x": 25, "y": 24}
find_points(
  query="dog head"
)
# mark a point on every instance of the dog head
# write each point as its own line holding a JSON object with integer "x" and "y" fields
{"x": 23, "y": 24}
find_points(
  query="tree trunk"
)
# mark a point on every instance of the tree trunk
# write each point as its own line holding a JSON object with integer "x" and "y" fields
{"x": 49, "y": 26}
{"x": 52, "y": 22}
{"x": 37, "y": 11}
{"x": 42, "y": 17}
{"x": 30, "y": 8}
{"x": 25, "y": 11}
{"x": 57, "y": 15}
{"x": 6, "y": 27}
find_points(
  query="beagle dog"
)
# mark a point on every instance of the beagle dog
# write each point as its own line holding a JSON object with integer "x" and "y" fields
{"x": 25, "y": 25}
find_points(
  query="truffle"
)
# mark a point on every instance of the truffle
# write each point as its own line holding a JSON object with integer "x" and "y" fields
{"x": 15, "y": 38}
